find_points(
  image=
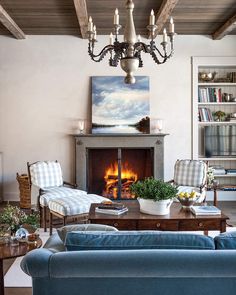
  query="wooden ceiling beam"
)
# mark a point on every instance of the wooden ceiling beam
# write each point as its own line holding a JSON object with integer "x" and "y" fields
{"x": 164, "y": 14}
{"x": 82, "y": 15}
{"x": 225, "y": 29}
{"x": 9, "y": 23}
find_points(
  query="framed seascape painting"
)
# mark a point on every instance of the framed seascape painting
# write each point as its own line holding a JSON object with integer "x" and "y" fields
{"x": 118, "y": 107}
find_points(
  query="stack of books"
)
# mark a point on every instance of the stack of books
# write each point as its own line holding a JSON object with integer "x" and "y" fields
{"x": 205, "y": 210}
{"x": 228, "y": 187}
{"x": 218, "y": 170}
{"x": 231, "y": 171}
{"x": 112, "y": 208}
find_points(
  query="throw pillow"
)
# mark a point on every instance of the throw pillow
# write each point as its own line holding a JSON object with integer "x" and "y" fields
{"x": 226, "y": 241}
{"x": 62, "y": 232}
{"x": 124, "y": 240}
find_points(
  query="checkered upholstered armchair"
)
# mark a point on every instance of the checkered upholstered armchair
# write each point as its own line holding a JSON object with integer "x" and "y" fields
{"x": 47, "y": 176}
{"x": 191, "y": 175}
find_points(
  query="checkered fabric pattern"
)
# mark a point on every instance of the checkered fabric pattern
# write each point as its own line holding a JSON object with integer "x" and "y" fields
{"x": 190, "y": 173}
{"x": 46, "y": 174}
{"x": 58, "y": 192}
{"x": 74, "y": 205}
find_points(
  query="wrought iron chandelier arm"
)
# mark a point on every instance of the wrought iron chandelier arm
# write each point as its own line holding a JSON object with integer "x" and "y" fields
{"x": 98, "y": 57}
{"x": 157, "y": 61}
{"x": 140, "y": 46}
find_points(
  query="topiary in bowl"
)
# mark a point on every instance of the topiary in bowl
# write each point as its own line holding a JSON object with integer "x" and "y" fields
{"x": 154, "y": 195}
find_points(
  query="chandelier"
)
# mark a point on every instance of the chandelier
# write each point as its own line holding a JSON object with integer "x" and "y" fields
{"x": 128, "y": 52}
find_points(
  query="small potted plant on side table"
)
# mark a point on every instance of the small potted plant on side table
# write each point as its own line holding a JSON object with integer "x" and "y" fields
{"x": 154, "y": 195}
{"x": 15, "y": 219}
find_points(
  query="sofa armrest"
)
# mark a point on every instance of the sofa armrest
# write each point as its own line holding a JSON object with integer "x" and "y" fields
{"x": 36, "y": 262}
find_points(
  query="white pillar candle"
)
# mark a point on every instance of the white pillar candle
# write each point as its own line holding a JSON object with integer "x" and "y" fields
{"x": 116, "y": 17}
{"x": 171, "y": 26}
{"x": 152, "y": 18}
{"x": 111, "y": 39}
{"x": 164, "y": 36}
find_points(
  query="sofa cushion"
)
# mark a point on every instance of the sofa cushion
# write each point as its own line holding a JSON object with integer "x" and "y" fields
{"x": 62, "y": 232}
{"x": 226, "y": 241}
{"x": 124, "y": 240}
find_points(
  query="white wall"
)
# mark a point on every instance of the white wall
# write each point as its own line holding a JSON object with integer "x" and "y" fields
{"x": 45, "y": 87}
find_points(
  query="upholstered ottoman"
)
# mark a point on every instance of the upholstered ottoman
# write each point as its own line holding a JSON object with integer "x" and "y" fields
{"x": 72, "y": 206}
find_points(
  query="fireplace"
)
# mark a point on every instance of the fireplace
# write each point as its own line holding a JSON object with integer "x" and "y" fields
{"x": 112, "y": 171}
{"x": 108, "y": 164}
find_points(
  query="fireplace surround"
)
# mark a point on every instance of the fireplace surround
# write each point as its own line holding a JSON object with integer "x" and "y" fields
{"x": 108, "y": 164}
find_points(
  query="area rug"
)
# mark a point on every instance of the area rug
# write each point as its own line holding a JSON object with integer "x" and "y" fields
{"x": 15, "y": 277}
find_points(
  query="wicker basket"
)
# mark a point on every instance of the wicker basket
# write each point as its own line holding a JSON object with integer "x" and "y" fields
{"x": 25, "y": 191}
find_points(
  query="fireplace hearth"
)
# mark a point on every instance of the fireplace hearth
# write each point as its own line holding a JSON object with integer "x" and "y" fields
{"x": 108, "y": 164}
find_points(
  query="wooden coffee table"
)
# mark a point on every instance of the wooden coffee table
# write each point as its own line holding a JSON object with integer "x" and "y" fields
{"x": 177, "y": 220}
{"x": 8, "y": 251}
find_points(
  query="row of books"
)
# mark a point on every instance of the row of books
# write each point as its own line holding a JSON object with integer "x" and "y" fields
{"x": 111, "y": 208}
{"x": 209, "y": 94}
{"x": 204, "y": 115}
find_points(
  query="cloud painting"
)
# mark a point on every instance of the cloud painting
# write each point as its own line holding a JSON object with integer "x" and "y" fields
{"x": 118, "y": 107}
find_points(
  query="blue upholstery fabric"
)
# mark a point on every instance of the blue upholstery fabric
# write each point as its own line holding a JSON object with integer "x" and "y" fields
{"x": 136, "y": 271}
{"x": 226, "y": 241}
{"x": 124, "y": 240}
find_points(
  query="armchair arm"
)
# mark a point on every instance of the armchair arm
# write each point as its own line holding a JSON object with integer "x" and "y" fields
{"x": 170, "y": 181}
{"x": 73, "y": 185}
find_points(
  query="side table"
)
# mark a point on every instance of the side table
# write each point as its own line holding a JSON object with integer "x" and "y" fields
{"x": 8, "y": 251}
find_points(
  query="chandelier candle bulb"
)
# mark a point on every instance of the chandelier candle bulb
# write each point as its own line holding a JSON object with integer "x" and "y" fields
{"x": 152, "y": 18}
{"x": 116, "y": 17}
{"x": 111, "y": 39}
{"x": 164, "y": 36}
{"x": 139, "y": 38}
{"x": 171, "y": 26}
{"x": 90, "y": 24}
{"x": 95, "y": 32}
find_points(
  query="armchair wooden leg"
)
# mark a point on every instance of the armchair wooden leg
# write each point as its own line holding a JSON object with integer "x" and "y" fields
{"x": 45, "y": 218}
{"x": 64, "y": 220}
{"x": 50, "y": 223}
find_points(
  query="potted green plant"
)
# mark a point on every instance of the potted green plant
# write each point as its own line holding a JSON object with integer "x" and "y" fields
{"x": 154, "y": 195}
{"x": 219, "y": 115}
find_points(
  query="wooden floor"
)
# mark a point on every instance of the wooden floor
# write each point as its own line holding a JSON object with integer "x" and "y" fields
{"x": 229, "y": 209}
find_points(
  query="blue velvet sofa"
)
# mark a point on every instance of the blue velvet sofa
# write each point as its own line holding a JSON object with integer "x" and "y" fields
{"x": 97, "y": 260}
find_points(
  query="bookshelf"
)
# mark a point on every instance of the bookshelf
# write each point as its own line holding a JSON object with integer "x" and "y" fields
{"x": 207, "y": 99}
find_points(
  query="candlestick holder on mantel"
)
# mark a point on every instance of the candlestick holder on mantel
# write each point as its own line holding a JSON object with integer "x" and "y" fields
{"x": 128, "y": 52}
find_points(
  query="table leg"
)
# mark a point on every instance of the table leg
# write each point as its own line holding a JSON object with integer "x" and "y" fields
{"x": 1, "y": 278}
{"x": 205, "y": 232}
{"x": 223, "y": 226}
{"x": 215, "y": 197}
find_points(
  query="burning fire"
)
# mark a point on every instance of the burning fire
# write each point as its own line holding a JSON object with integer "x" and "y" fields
{"x": 128, "y": 176}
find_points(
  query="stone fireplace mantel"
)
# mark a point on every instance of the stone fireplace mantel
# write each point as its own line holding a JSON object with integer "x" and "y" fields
{"x": 83, "y": 143}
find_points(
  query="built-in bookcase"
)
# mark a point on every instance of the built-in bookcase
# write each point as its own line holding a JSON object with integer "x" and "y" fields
{"x": 209, "y": 97}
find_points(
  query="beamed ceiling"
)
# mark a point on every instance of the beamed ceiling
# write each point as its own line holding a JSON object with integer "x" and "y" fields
{"x": 69, "y": 17}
